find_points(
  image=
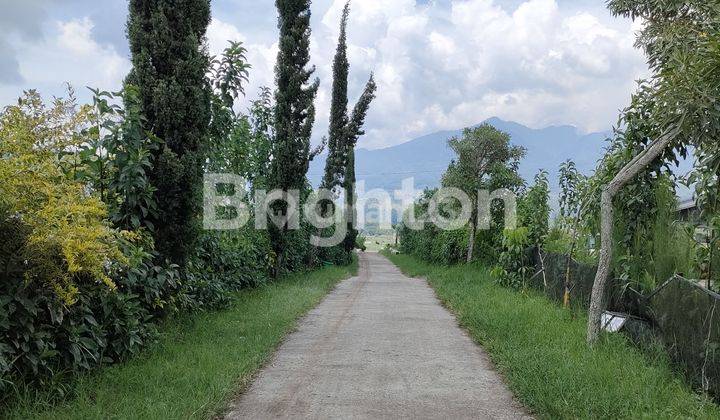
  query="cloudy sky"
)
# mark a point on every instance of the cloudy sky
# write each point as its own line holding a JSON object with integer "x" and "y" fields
{"x": 440, "y": 64}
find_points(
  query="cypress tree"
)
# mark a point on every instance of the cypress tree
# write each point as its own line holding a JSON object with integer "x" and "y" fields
{"x": 170, "y": 63}
{"x": 344, "y": 131}
{"x": 353, "y": 132}
{"x": 338, "y": 110}
{"x": 294, "y": 108}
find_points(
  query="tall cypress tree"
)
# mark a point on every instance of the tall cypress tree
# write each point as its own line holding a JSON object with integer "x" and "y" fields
{"x": 170, "y": 63}
{"x": 353, "y": 131}
{"x": 334, "y": 166}
{"x": 344, "y": 131}
{"x": 294, "y": 108}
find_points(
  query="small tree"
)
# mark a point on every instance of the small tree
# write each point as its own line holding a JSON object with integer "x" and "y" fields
{"x": 534, "y": 210}
{"x": 674, "y": 109}
{"x": 230, "y": 149}
{"x": 479, "y": 152}
{"x": 573, "y": 204}
{"x": 261, "y": 118}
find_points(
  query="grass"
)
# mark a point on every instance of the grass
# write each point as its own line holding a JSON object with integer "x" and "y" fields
{"x": 200, "y": 363}
{"x": 540, "y": 349}
{"x": 376, "y": 243}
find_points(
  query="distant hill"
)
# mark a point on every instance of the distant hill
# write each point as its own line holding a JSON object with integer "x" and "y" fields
{"x": 427, "y": 157}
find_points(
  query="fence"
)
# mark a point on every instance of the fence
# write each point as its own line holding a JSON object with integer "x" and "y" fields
{"x": 551, "y": 273}
{"x": 685, "y": 317}
{"x": 687, "y": 320}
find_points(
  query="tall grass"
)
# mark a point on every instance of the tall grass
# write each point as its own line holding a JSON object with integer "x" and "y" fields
{"x": 541, "y": 350}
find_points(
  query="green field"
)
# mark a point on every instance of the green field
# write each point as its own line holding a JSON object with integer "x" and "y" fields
{"x": 376, "y": 243}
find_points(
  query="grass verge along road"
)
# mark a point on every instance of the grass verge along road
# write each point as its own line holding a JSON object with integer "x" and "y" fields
{"x": 540, "y": 348}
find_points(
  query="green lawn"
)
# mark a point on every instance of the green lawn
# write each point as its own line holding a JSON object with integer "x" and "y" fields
{"x": 200, "y": 362}
{"x": 540, "y": 348}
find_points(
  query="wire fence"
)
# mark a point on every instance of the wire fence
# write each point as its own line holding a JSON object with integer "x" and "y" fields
{"x": 685, "y": 317}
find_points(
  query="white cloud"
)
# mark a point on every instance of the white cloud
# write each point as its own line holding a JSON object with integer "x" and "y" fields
{"x": 219, "y": 33}
{"x": 75, "y": 36}
{"x": 442, "y": 65}
{"x": 70, "y": 54}
{"x": 447, "y": 66}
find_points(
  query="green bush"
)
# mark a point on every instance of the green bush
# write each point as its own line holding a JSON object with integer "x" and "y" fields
{"x": 44, "y": 339}
{"x": 435, "y": 245}
{"x": 223, "y": 263}
{"x": 513, "y": 268}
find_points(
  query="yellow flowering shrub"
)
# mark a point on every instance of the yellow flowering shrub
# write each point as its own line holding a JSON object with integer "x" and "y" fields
{"x": 69, "y": 240}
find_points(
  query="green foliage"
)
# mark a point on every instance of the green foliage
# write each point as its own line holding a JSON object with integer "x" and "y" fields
{"x": 345, "y": 130}
{"x": 44, "y": 340}
{"x": 262, "y": 111}
{"x": 67, "y": 241}
{"x": 513, "y": 268}
{"x": 485, "y": 160}
{"x": 294, "y": 108}
{"x": 78, "y": 294}
{"x": 229, "y": 151}
{"x": 116, "y": 159}
{"x": 434, "y": 245}
{"x": 682, "y": 43}
{"x": 294, "y": 115}
{"x": 561, "y": 241}
{"x": 212, "y": 352}
{"x": 353, "y": 132}
{"x": 170, "y": 65}
{"x": 573, "y": 186}
{"x": 229, "y": 72}
{"x": 649, "y": 245}
{"x": 534, "y": 210}
{"x": 430, "y": 243}
{"x": 337, "y": 150}
{"x": 541, "y": 351}
{"x": 225, "y": 262}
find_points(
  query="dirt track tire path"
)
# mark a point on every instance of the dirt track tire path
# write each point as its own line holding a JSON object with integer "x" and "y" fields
{"x": 379, "y": 346}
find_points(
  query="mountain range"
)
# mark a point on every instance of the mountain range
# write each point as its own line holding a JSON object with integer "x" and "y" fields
{"x": 426, "y": 158}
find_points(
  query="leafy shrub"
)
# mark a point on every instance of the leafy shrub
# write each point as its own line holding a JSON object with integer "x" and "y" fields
{"x": 534, "y": 209}
{"x": 559, "y": 241}
{"x": 68, "y": 241}
{"x": 43, "y": 338}
{"x": 435, "y": 245}
{"x": 224, "y": 263}
{"x": 513, "y": 267}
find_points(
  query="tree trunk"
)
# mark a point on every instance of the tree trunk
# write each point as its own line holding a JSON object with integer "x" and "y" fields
{"x": 471, "y": 240}
{"x": 626, "y": 174}
{"x": 566, "y": 295}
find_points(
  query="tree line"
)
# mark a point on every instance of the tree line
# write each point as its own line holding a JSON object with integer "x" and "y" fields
{"x": 101, "y": 202}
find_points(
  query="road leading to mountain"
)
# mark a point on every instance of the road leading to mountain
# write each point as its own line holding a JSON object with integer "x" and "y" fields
{"x": 379, "y": 346}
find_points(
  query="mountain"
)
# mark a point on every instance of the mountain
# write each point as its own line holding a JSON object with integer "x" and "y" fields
{"x": 426, "y": 158}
